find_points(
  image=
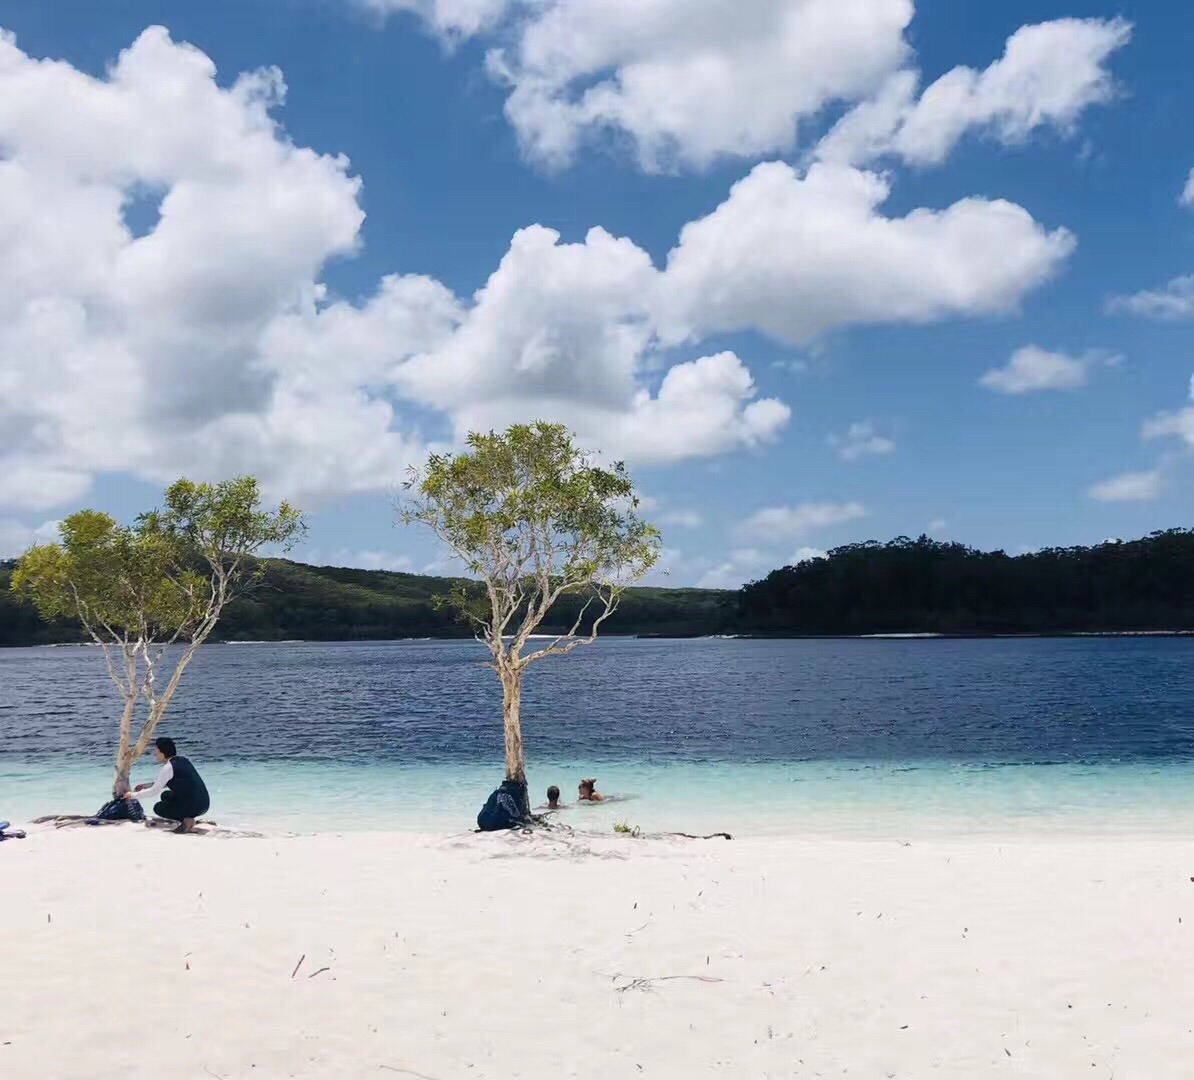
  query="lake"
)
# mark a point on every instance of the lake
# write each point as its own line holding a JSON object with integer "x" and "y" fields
{"x": 871, "y": 736}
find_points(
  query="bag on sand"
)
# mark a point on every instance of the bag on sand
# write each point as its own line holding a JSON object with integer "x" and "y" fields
{"x": 120, "y": 810}
{"x": 501, "y": 809}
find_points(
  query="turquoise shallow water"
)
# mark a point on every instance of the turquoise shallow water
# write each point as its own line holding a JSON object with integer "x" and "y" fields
{"x": 859, "y": 738}
{"x": 841, "y": 799}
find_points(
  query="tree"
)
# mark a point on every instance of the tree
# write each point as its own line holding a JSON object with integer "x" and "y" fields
{"x": 535, "y": 519}
{"x": 164, "y": 581}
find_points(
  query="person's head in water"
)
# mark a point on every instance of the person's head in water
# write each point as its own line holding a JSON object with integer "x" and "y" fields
{"x": 587, "y": 790}
{"x": 164, "y": 749}
{"x": 553, "y": 798}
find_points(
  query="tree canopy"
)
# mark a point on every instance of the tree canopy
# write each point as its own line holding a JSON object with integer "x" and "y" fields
{"x": 136, "y": 590}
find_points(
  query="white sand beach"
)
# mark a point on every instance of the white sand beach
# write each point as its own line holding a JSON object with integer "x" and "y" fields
{"x": 132, "y": 953}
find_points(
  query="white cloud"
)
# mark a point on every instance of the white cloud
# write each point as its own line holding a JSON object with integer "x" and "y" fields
{"x": 681, "y": 519}
{"x": 796, "y": 256}
{"x": 861, "y": 440}
{"x": 1187, "y": 197}
{"x": 449, "y": 17}
{"x": 779, "y": 523}
{"x": 16, "y": 537}
{"x": 937, "y": 525}
{"x": 143, "y": 351}
{"x": 1049, "y": 74}
{"x": 1174, "y": 301}
{"x": 1033, "y": 368}
{"x": 687, "y": 81}
{"x": 206, "y": 343}
{"x": 562, "y": 331}
{"x": 807, "y": 554}
{"x": 1129, "y": 487}
{"x": 742, "y": 565}
{"x": 1179, "y": 424}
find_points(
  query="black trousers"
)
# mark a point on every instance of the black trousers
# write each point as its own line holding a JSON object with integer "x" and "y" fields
{"x": 175, "y": 809}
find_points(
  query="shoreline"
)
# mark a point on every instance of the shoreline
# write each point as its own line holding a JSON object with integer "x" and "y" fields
{"x": 811, "y": 799}
{"x": 977, "y": 635}
{"x": 488, "y": 957}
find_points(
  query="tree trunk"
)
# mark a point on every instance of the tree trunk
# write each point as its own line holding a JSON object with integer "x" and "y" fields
{"x": 516, "y": 770}
{"x": 124, "y": 756}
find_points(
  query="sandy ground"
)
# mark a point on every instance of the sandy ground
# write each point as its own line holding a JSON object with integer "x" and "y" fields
{"x": 130, "y": 953}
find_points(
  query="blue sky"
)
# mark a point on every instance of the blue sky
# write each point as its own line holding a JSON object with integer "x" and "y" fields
{"x": 851, "y": 335}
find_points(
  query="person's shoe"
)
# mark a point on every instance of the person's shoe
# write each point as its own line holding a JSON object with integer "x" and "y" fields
{"x": 188, "y": 825}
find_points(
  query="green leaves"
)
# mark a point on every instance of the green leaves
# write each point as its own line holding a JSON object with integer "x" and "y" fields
{"x": 535, "y": 518}
{"x": 110, "y": 577}
{"x": 159, "y": 577}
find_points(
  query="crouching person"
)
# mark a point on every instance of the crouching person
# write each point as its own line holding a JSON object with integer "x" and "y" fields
{"x": 183, "y": 794}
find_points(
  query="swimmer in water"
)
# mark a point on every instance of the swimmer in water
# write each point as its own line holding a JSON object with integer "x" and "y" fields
{"x": 553, "y": 799}
{"x": 587, "y": 791}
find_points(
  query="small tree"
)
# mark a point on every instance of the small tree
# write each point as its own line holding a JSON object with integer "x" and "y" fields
{"x": 138, "y": 590}
{"x": 534, "y": 519}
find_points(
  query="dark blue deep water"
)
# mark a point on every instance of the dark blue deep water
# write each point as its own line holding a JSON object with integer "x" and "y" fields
{"x": 1003, "y": 701}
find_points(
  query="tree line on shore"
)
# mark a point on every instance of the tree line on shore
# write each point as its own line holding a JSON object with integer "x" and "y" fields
{"x": 902, "y": 586}
{"x": 295, "y": 601}
{"x": 926, "y": 586}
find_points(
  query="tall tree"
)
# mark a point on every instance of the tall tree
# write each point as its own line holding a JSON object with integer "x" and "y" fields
{"x": 534, "y": 519}
{"x": 164, "y": 581}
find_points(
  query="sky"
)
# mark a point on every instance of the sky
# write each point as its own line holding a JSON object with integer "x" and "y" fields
{"x": 819, "y": 271}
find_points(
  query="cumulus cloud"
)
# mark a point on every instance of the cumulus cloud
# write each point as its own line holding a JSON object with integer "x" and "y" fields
{"x": 162, "y": 243}
{"x": 687, "y": 81}
{"x": 861, "y": 440}
{"x": 137, "y": 351}
{"x": 780, "y": 523}
{"x": 1173, "y": 302}
{"x": 1187, "y": 197}
{"x": 795, "y": 256}
{"x": 1032, "y": 368}
{"x": 1129, "y": 487}
{"x": 1049, "y": 74}
{"x": 562, "y": 330}
{"x": 808, "y": 554}
{"x": 205, "y": 343}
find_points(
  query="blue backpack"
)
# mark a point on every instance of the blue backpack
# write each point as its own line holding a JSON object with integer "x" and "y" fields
{"x": 120, "y": 810}
{"x": 501, "y": 809}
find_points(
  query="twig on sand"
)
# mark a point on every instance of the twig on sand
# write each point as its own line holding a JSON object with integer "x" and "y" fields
{"x": 711, "y": 836}
{"x": 298, "y": 965}
{"x": 641, "y": 983}
{"x": 406, "y": 1072}
{"x": 319, "y": 972}
{"x": 210, "y": 1073}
